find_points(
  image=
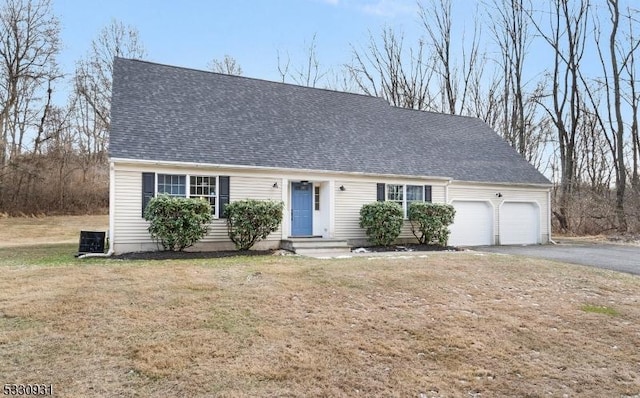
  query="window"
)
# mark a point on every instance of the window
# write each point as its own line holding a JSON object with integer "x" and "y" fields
{"x": 316, "y": 194}
{"x": 172, "y": 185}
{"x": 395, "y": 193}
{"x": 203, "y": 187}
{"x": 404, "y": 195}
{"x": 198, "y": 187}
{"x": 415, "y": 193}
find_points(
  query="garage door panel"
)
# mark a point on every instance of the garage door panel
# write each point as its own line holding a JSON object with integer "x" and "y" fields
{"x": 519, "y": 223}
{"x": 473, "y": 223}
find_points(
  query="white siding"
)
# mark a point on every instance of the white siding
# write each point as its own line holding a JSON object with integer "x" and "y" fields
{"x": 468, "y": 191}
{"x": 348, "y": 204}
{"x": 243, "y": 187}
{"x": 130, "y": 230}
{"x": 358, "y": 193}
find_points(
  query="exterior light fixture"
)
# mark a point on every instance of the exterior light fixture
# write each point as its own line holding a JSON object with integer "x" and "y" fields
{"x": 342, "y": 188}
{"x": 499, "y": 195}
{"x": 275, "y": 184}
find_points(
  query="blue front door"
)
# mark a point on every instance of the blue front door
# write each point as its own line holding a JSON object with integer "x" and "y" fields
{"x": 301, "y": 209}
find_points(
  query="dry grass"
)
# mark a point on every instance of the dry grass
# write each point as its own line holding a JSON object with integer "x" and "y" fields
{"x": 19, "y": 231}
{"x": 448, "y": 325}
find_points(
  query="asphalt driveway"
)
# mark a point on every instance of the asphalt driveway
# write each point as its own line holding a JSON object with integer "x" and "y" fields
{"x": 622, "y": 258}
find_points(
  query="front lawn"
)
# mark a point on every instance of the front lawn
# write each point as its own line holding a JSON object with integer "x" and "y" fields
{"x": 437, "y": 324}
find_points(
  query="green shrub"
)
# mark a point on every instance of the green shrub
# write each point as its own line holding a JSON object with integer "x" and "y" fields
{"x": 249, "y": 221}
{"x": 177, "y": 223}
{"x": 382, "y": 222}
{"x": 430, "y": 222}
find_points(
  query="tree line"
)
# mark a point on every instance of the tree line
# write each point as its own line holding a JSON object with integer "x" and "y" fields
{"x": 53, "y": 158}
{"x": 557, "y": 79}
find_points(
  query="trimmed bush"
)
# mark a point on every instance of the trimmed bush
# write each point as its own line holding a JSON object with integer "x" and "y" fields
{"x": 382, "y": 222}
{"x": 177, "y": 223}
{"x": 250, "y": 220}
{"x": 430, "y": 222}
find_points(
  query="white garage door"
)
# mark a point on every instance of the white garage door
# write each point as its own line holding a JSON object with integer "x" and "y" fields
{"x": 519, "y": 223}
{"x": 472, "y": 225}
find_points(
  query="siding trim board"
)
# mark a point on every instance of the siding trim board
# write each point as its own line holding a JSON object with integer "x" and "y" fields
{"x": 191, "y": 165}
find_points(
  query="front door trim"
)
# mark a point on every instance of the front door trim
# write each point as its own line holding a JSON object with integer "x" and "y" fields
{"x": 301, "y": 208}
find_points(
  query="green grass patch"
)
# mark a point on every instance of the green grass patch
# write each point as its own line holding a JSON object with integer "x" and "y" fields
{"x": 15, "y": 323}
{"x": 600, "y": 309}
{"x": 53, "y": 255}
{"x": 40, "y": 255}
{"x": 240, "y": 323}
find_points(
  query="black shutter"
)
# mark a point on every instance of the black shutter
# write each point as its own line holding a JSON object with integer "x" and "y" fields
{"x": 223, "y": 195}
{"x": 427, "y": 193}
{"x": 148, "y": 189}
{"x": 380, "y": 193}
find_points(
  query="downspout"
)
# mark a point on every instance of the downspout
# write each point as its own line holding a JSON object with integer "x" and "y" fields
{"x": 332, "y": 208}
{"x": 446, "y": 191}
{"x": 112, "y": 216}
{"x": 549, "y": 217}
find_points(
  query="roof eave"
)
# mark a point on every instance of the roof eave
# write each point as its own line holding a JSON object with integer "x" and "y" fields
{"x": 511, "y": 184}
{"x": 266, "y": 168}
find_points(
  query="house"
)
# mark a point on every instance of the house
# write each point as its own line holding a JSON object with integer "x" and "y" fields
{"x": 323, "y": 153}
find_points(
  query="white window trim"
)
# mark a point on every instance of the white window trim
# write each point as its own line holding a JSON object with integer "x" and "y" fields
{"x": 157, "y": 181}
{"x": 405, "y": 204}
{"x": 188, "y": 187}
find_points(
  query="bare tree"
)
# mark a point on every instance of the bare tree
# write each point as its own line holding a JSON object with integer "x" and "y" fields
{"x": 386, "y": 70}
{"x": 455, "y": 75}
{"x": 632, "y": 96}
{"x": 621, "y": 171}
{"x": 634, "y": 102}
{"x": 92, "y": 83}
{"x": 228, "y": 66}
{"x": 485, "y": 98}
{"x": 310, "y": 73}
{"x": 614, "y": 56}
{"x": 566, "y": 36}
{"x": 28, "y": 46}
{"x": 593, "y": 166}
{"x": 512, "y": 34}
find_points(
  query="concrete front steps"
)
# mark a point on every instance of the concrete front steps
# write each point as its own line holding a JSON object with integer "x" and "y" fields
{"x": 317, "y": 247}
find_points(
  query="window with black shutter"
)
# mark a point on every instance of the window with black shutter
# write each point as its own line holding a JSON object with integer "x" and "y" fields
{"x": 224, "y": 195}
{"x": 211, "y": 188}
{"x": 380, "y": 195}
{"x": 148, "y": 189}
{"x": 427, "y": 193}
{"x": 403, "y": 194}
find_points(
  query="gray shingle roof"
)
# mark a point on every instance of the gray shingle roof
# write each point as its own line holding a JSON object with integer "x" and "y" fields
{"x": 168, "y": 113}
